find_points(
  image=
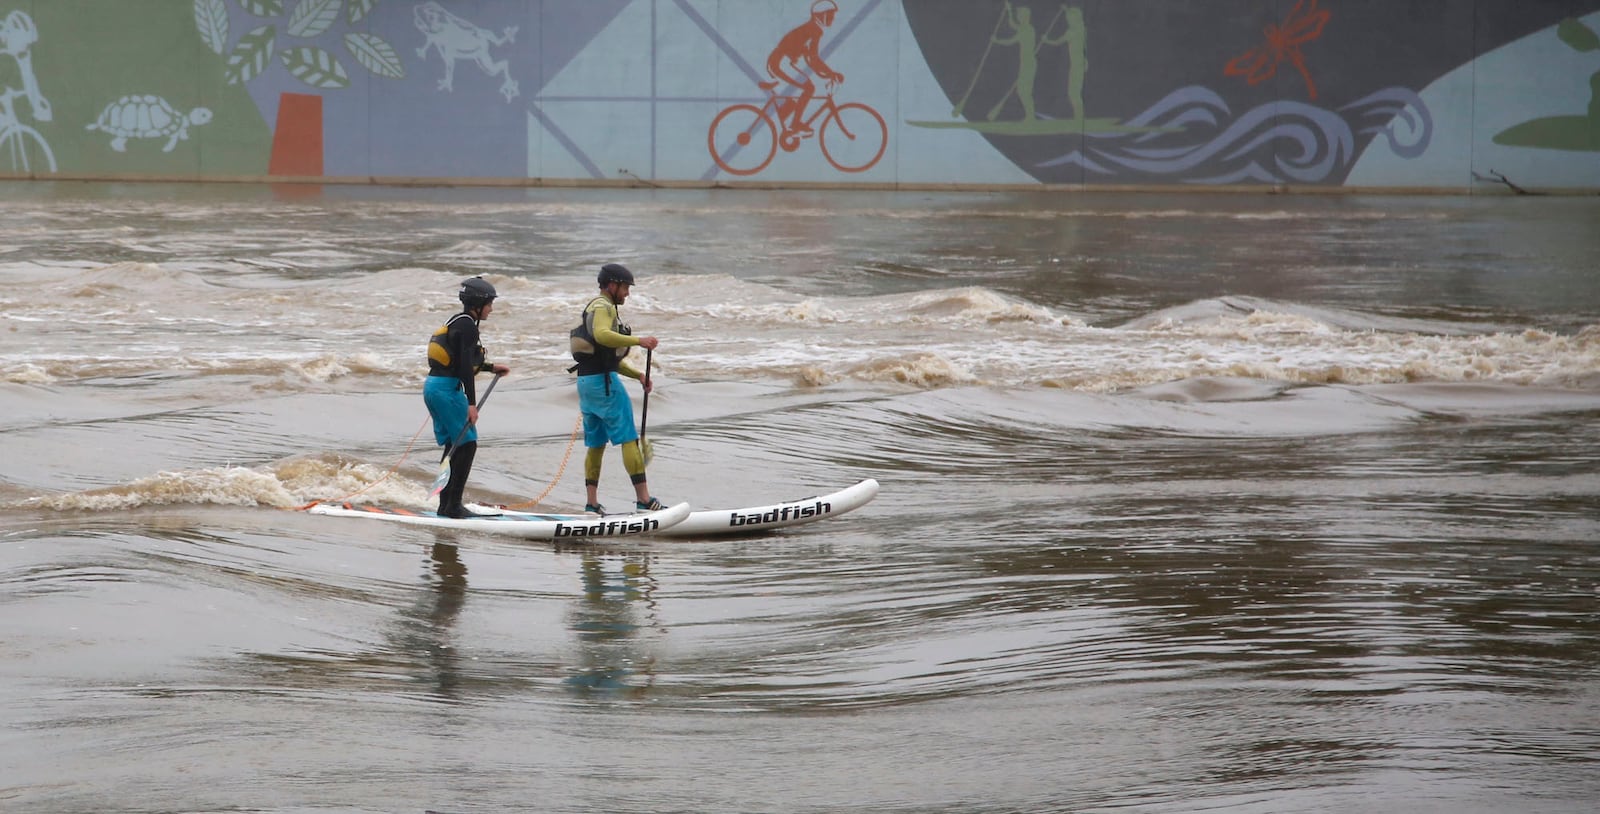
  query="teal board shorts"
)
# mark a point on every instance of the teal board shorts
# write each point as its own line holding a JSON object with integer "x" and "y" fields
{"x": 447, "y": 403}
{"x": 607, "y": 417}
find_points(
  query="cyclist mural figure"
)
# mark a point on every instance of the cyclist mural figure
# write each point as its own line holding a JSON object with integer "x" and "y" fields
{"x": 745, "y": 136}
{"x": 796, "y": 54}
{"x": 22, "y": 146}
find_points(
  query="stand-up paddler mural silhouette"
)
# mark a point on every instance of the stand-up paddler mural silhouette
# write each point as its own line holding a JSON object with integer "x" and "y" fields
{"x": 1015, "y": 29}
{"x": 1028, "y": 43}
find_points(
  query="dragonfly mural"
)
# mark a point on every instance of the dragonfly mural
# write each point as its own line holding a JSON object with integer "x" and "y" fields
{"x": 1304, "y": 24}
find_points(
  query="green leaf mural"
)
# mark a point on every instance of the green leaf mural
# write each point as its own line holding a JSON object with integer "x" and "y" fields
{"x": 375, "y": 55}
{"x": 211, "y": 19}
{"x": 358, "y": 9}
{"x": 315, "y": 67}
{"x": 312, "y": 17}
{"x": 262, "y": 8}
{"x": 250, "y": 56}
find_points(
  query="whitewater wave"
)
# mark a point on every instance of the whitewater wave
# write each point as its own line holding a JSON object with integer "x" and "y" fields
{"x": 289, "y": 484}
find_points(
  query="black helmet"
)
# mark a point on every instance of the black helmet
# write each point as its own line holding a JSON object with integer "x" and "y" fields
{"x": 476, "y": 292}
{"x": 615, "y": 273}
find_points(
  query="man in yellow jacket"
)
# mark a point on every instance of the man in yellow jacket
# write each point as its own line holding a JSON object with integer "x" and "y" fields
{"x": 599, "y": 344}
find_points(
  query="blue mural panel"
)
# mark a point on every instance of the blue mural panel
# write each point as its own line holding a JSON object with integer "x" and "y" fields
{"x": 427, "y": 88}
{"x": 1083, "y": 92}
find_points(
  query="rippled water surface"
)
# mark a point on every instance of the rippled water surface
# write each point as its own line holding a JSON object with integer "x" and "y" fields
{"x": 1188, "y": 503}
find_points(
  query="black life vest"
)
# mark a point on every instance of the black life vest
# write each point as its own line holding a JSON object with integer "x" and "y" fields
{"x": 440, "y": 362}
{"x": 591, "y": 356}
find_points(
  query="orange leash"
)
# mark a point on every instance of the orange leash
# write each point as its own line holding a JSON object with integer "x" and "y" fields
{"x": 576, "y": 428}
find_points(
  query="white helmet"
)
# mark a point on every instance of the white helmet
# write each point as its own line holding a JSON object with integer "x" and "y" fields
{"x": 823, "y": 7}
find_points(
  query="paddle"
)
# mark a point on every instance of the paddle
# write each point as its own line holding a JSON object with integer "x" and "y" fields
{"x": 443, "y": 478}
{"x": 645, "y": 449}
{"x": 977, "y": 72}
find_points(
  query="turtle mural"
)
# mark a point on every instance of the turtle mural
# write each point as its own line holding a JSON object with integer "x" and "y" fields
{"x": 146, "y": 116}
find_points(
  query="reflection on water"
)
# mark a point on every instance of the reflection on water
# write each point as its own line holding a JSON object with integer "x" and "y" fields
{"x": 1396, "y": 620}
{"x": 428, "y": 630}
{"x": 615, "y": 620}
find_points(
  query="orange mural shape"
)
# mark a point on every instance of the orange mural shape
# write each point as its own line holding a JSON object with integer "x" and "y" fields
{"x": 297, "y": 140}
{"x": 1304, "y": 24}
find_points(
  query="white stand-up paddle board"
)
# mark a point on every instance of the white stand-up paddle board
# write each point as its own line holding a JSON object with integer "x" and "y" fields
{"x": 755, "y": 519}
{"x": 523, "y": 524}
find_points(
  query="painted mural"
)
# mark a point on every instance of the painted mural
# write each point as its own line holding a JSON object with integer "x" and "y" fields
{"x": 1580, "y": 131}
{"x": 26, "y": 148}
{"x": 744, "y": 138}
{"x": 1288, "y": 92}
{"x": 1198, "y": 93}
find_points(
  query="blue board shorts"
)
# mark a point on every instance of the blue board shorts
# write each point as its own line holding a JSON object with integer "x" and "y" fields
{"x": 606, "y": 418}
{"x": 447, "y": 403}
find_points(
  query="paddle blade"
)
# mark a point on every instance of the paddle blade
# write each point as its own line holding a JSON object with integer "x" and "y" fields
{"x": 441, "y": 480}
{"x": 647, "y": 450}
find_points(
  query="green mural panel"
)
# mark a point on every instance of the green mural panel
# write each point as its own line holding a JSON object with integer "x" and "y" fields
{"x": 135, "y": 76}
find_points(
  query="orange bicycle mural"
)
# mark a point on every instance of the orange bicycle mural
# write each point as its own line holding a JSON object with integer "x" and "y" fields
{"x": 744, "y": 138}
{"x": 1304, "y": 24}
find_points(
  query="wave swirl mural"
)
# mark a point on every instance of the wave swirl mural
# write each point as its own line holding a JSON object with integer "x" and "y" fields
{"x": 1284, "y": 142}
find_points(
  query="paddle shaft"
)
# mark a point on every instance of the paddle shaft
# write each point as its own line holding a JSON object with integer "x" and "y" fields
{"x": 644, "y": 416}
{"x": 468, "y": 425}
{"x": 978, "y": 71}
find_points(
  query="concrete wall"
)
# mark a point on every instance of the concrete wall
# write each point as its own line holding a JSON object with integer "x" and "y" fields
{"x": 1440, "y": 94}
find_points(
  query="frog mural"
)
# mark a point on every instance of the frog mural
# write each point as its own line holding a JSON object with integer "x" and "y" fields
{"x": 355, "y": 87}
{"x": 457, "y": 39}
